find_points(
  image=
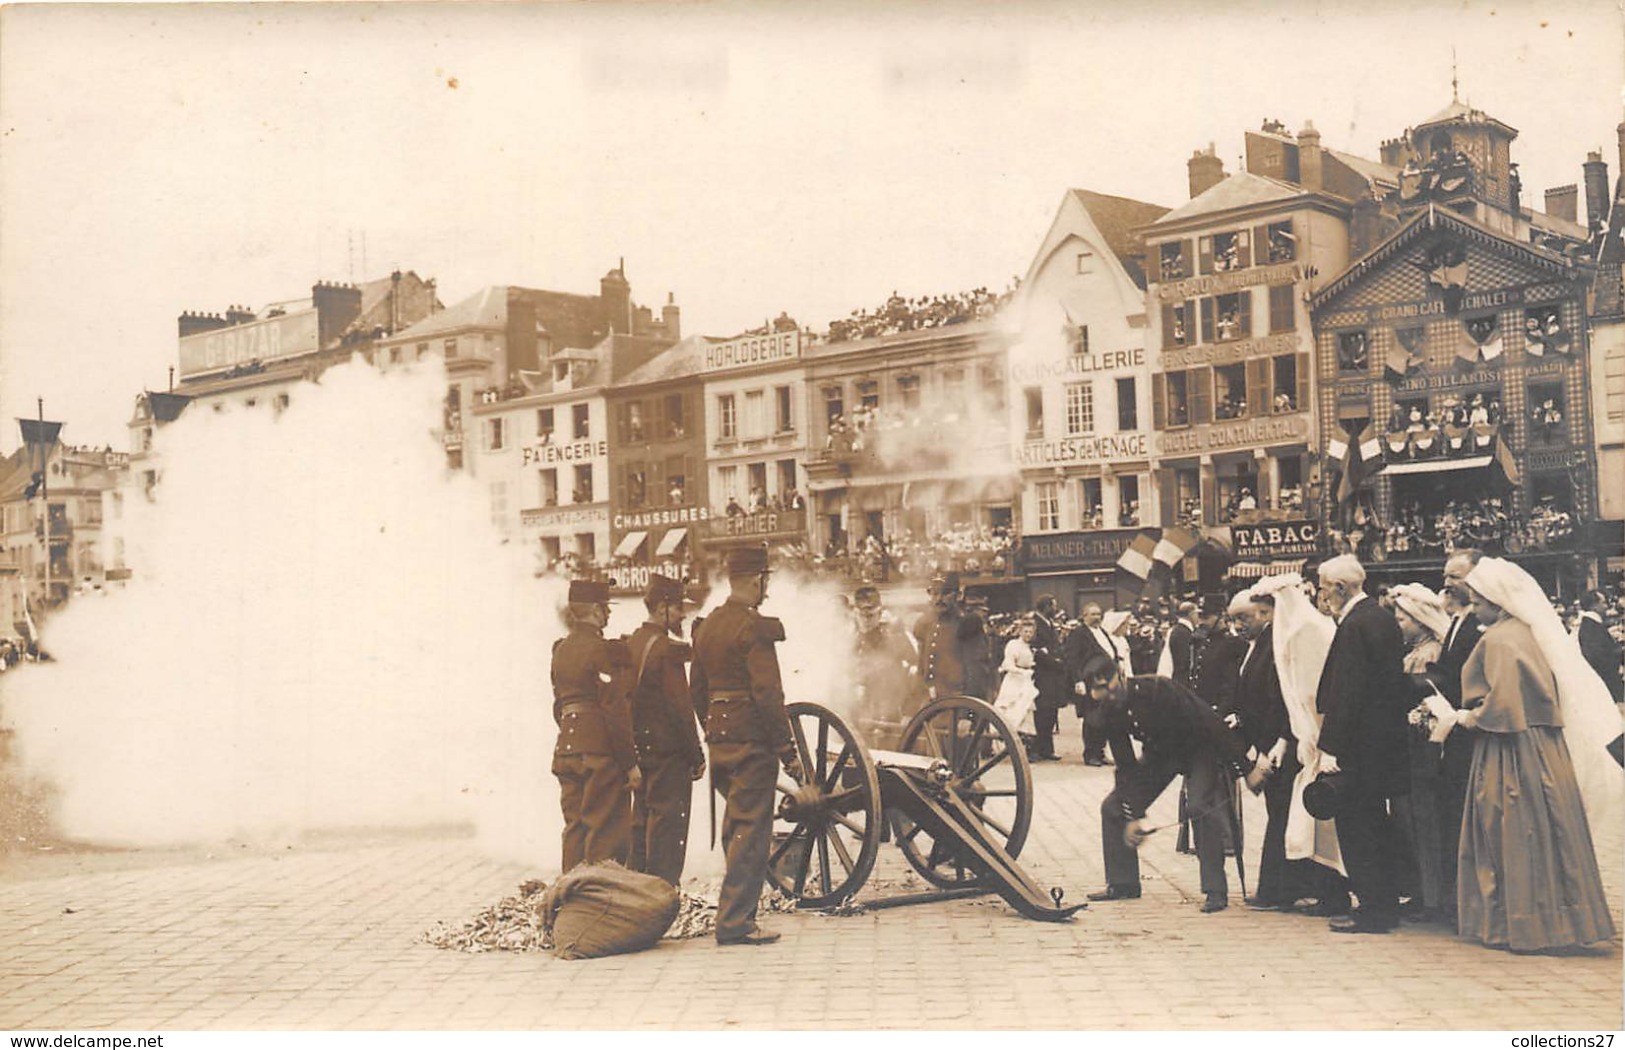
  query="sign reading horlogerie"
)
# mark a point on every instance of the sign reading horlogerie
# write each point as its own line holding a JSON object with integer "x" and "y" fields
{"x": 752, "y": 350}
{"x": 267, "y": 340}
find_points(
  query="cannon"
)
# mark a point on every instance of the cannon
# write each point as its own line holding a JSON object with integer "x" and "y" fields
{"x": 956, "y": 798}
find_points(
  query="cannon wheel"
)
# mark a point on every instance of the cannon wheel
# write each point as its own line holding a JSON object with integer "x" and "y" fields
{"x": 826, "y": 837}
{"x": 991, "y": 774}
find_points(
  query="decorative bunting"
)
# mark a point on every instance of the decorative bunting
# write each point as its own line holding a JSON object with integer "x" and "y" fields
{"x": 1136, "y": 560}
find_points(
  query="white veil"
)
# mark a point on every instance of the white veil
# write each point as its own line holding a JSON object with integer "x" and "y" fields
{"x": 1590, "y": 719}
{"x": 1302, "y": 638}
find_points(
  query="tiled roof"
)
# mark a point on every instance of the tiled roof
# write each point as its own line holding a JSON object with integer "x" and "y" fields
{"x": 487, "y": 308}
{"x": 1118, "y": 219}
{"x": 1237, "y": 191}
{"x": 1374, "y": 171}
{"x": 1459, "y": 110}
{"x": 571, "y": 320}
{"x": 679, "y": 362}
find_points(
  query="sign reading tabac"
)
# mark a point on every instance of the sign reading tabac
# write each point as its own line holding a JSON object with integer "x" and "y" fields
{"x": 751, "y": 350}
{"x": 267, "y": 340}
{"x": 1275, "y": 539}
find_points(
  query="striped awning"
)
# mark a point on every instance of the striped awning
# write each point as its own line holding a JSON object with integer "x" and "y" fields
{"x": 1257, "y": 570}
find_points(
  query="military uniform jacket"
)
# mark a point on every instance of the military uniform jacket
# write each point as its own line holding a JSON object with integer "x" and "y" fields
{"x": 736, "y": 688}
{"x": 953, "y": 653}
{"x": 662, "y": 711}
{"x": 587, "y": 702}
{"x": 1176, "y": 727}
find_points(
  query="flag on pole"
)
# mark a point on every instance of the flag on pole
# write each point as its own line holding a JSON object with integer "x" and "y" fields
{"x": 1174, "y": 545}
{"x": 1507, "y": 461}
{"x": 39, "y": 433}
{"x": 1364, "y": 460}
{"x": 1136, "y": 561}
{"x": 1337, "y": 450}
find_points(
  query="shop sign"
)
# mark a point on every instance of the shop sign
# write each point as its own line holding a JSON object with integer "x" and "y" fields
{"x": 1238, "y": 433}
{"x": 1060, "y": 551}
{"x": 1085, "y": 449}
{"x": 1447, "y": 380}
{"x": 1230, "y": 281}
{"x": 1560, "y": 459}
{"x": 544, "y": 453}
{"x": 762, "y": 523}
{"x": 267, "y": 340}
{"x": 752, "y": 350}
{"x": 1275, "y": 539}
{"x": 1029, "y": 373}
{"x": 648, "y": 519}
{"x": 634, "y": 579}
{"x": 1226, "y": 353}
{"x": 1535, "y": 293}
{"x": 565, "y": 517}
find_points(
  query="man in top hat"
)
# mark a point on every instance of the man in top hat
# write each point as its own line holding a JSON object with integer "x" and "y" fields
{"x": 883, "y": 672}
{"x": 664, "y": 728}
{"x": 739, "y": 695}
{"x": 594, "y": 758}
{"x": 952, "y": 643}
{"x": 1049, "y": 675}
{"x": 1085, "y": 642}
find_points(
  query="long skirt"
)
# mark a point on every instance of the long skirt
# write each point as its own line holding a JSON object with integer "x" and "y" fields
{"x": 1527, "y": 873}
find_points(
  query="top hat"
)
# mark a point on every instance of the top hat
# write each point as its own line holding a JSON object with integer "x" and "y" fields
{"x": 1326, "y": 796}
{"x": 589, "y": 592}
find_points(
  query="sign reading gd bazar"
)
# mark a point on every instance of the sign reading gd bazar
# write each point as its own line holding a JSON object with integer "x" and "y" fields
{"x": 264, "y": 341}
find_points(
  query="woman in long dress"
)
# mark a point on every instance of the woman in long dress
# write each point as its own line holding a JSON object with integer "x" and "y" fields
{"x": 1017, "y": 692}
{"x": 1423, "y": 622}
{"x": 1527, "y": 872}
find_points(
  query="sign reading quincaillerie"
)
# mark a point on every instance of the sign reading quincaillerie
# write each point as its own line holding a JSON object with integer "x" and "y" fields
{"x": 1275, "y": 539}
{"x": 752, "y": 350}
{"x": 267, "y": 340}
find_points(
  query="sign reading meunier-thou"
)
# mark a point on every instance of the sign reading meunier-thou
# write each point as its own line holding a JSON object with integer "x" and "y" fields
{"x": 267, "y": 340}
{"x": 752, "y": 350}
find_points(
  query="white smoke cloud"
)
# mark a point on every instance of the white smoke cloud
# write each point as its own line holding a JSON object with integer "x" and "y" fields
{"x": 324, "y": 630}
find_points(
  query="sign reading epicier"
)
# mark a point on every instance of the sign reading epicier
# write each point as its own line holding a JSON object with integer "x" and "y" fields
{"x": 1275, "y": 539}
{"x": 1066, "y": 551}
{"x": 762, "y": 523}
{"x": 752, "y": 350}
{"x": 1239, "y": 433}
{"x": 267, "y": 340}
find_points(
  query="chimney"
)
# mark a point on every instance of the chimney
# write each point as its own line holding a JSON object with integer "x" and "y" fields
{"x": 238, "y": 315}
{"x": 1562, "y": 202}
{"x": 671, "y": 317}
{"x": 395, "y": 302}
{"x": 1596, "y": 182}
{"x": 336, "y": 306}
{"x": 1206, "y": 170}
{"x": 191, "y": 323}
{"x": 616, "y": 294}
{"x": 1309, "y": 159}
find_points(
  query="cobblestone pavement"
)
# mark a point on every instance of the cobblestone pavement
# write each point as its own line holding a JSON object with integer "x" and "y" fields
{"x": 325, "y": 935}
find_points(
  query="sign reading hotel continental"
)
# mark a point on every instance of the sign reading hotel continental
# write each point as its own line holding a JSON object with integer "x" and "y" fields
{"x": 1237, "y": 433}
{"x": 752, "y": 350}
{"x": 1275, "y": 539}
{"x": 1075, "y": 550}
{"x": 648, "y": 519}
{"x": 267, "y": 340}
{"x": 545, "y": 452}
{"x": 1085, "y": 449}
{"x": 1230, "y": 281}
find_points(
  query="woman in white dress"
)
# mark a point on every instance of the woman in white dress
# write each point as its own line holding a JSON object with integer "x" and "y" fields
{"x": 1017, "y": 693}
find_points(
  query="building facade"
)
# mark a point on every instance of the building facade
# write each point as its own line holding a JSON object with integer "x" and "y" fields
{"x": 1081, "y": 420}
{"x": 67, "y": 521}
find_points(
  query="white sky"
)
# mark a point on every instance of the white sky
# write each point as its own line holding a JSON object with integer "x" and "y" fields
{"x": 749, "y": 158}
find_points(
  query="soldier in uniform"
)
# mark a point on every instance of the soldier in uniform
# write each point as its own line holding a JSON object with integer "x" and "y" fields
{"x": 664, "y": 729}
{"x": 952, "y": 642}
{"x": 594, "y": 758}
{"x": 739, "y": 695}
{"x": 883, "y": 672}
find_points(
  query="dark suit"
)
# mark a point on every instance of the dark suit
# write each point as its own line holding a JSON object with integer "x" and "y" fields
{"x": 1456, "y": 760}
{"x": 1602, "y": 653}
{"x": 1082, "y": 646}
{"x": 1362, "y": 700}
{"x": 1053, "y": 682}
{"x": 1181, "y": 735}
{"x": 1179, "y": 642}
{"x": 1262, "y": 719}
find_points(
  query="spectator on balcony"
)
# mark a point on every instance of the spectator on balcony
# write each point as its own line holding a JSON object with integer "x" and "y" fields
{"x": 733, "y": 509}
{"x": 1246, "y": 500}
{"x": 793, "y": 500}
{"x": 675, "y": 494}
{"x": 757, "y": 498}
{"x": 1283, "y": 402}
{"x": 1479, "y": 412}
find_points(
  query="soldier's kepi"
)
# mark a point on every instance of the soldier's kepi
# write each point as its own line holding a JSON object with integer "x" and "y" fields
{"x": 739, "y": 695}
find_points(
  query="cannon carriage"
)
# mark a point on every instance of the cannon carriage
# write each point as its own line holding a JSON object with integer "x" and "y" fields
{"x": 956, "y": 797}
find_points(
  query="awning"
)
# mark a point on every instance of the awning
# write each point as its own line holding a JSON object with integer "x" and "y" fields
{"x": 1257, "y": 570}
{"x": 670, "y": 542}
{"x": 630, "y": 543}
{"x": 1433, "y": 466}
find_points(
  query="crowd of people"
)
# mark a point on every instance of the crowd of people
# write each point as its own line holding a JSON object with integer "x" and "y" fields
{"x": 963, "y": 547}
{"x": 1387, "y": 733}
{"x": 902, "y": 314}
{"x": 1485, "y": 522}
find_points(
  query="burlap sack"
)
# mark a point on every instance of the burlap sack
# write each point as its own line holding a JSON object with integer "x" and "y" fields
{"x": 605, "y": 909}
